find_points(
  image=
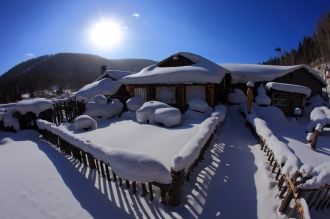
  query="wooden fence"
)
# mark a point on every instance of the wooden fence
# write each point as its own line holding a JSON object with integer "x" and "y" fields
{"x": 174, "y": 190}
{"x": 288, "y": 186}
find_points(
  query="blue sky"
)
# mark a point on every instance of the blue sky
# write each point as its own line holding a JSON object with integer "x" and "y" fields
{"x": 223, "y": 31}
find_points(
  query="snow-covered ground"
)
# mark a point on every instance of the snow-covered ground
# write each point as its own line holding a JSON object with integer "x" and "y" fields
{"x": 233, "y": 181}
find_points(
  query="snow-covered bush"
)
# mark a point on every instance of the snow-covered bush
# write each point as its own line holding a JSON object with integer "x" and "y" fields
{"x": 168, "y": 116}
{"x": 101, "y": 99}
{"x": 198, "y": 105}
{"x": 135, "y": 103}
{"x": 85, "y": 122}
{"x": 237, "y": 97}
{"x": 35, "y": 106}
{"x": 147, "y": 111}
{"x": 320, "y": 115}
{"x": 96, "y": 110}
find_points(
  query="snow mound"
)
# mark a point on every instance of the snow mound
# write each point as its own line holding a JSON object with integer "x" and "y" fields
{"x": 147, "y": 111}
{"x": 272, "y": 115}
{"x": 192, "y": 114}
{"x": 320, "y": 115}
{"x": 85, "y": 122}
{"x": 168, "y": 116}
{"x": 106, "y": 86}
{"x": 291, "y": 88}
{"x": 315, "y": 101}
{"x": 321, "y": 177}
{"x": 135, "y": 103}
{"x": 100, "y": 99}
{"x": 219, "y": 112}
{"x": 103, "y": 111}
{"x": 198, "y": 105}
{"x": 237, "y": 96}
{"x": 35, "y": 106}
{"x": 261, "y": 89}
{"x": 263, "y": 99}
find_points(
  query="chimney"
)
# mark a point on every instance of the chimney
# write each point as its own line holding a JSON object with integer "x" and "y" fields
{"x": 103, "y": 69}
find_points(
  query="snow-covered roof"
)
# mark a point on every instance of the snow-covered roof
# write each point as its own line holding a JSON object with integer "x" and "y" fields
{"x": 203, "y": 71}
{"x": 243, "y": 73}
{"x": 291, "y": 88}
{"x": 115, "y": 74}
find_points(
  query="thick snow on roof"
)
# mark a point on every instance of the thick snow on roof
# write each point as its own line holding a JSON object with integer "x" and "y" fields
{"x": 106, "y": 86}
{"x": 115, "y": 74}
{"x": 203, "y": 71}
{"x": 291, "y": 88}
{"x": 243, "y": 73}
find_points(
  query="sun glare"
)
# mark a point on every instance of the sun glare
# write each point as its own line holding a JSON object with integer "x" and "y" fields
{"x": 105, "y": 34}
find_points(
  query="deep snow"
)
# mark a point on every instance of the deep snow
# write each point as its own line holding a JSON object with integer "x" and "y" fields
{"x": 233, "y": 181}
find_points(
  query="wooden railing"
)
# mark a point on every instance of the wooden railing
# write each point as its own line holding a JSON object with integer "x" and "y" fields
{"x": 102, "y": 166}
{"x": 288, "y": 186}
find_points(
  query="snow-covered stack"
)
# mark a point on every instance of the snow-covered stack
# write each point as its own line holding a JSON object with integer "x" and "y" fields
{"x": 157, "y": 112}
{"x": 320, "y": 115}
{"x": 262, "y": 98}
{"x": 101, "y": 112}
{"x": 133, "y": 104}
{"x": 198, "y": 109}
{"x": 237, "y": 97}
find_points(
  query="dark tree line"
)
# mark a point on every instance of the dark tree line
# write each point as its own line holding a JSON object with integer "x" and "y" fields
{"x": 65, "y": 70}
{"x": 312, "y": 50}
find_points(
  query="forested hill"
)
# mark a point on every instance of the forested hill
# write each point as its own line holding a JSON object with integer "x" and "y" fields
{"x": 64, "y": 69}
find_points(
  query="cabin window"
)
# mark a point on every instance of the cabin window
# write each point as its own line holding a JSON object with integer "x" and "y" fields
{"x": 195, "y": 92}
{"x": 280, "y": 99}
{"x": 166, "y": 94}
{"x": 141, "y": 92}
{"x": 290, "y": 81}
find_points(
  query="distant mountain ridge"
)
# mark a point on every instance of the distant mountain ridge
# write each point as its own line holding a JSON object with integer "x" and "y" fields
{"x": 71, "y": 70}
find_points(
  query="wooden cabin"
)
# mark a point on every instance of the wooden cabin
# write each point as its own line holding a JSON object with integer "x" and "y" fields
{"x": 178, "y": 79}
{"x": 287, "y": 97}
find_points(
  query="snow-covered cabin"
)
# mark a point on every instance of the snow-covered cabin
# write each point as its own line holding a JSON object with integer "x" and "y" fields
{"x": 178, "y": 79}
{"x": 302, "y": 75}
{"x": 288, "y": 97}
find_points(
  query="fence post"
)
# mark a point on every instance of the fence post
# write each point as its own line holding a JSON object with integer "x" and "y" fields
{"x": 176, "y": 188}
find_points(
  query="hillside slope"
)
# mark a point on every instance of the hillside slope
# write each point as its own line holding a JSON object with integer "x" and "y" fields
{"x": 63, "y": 69}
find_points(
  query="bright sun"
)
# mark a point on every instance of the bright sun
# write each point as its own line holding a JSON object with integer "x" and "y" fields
{"x": 105, "y": 34}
